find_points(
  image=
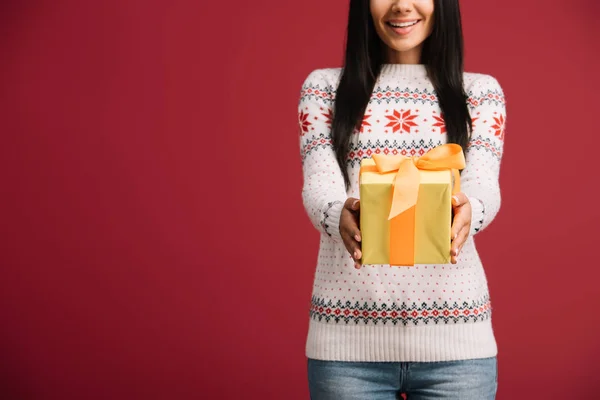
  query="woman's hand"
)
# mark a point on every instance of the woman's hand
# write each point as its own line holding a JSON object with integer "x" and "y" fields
{"x": 349, "y": 220}
{"x": 461, "y": 224}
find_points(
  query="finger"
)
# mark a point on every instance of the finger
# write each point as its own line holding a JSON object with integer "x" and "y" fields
{"x": 454, "y": 253}
{"x": 358, "y": 259}
{"x": 459, "y": 242}
{"x": 352, "y": 204}
{"x": 352, "y": 245}
{"x": 352, "y": 228}
{"x": 353, "y": 231}
{"x": 355, "y": 252}
{"x": 459, "y": 199}
{"x": 459, "y": 221}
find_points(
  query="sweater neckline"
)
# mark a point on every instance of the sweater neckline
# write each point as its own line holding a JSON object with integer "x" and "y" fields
{"x": 404, "y": 70}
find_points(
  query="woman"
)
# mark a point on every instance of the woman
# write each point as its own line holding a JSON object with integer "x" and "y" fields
{"x": 376, "y": 330}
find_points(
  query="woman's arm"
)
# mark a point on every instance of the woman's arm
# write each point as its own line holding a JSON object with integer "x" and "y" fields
{"x": 323, "y": 191}
{"x": 479, "y": 180}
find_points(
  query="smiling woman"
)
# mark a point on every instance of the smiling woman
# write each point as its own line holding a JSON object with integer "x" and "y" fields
{"x": 377, "y": 330}
{"x": 403, "y": 35}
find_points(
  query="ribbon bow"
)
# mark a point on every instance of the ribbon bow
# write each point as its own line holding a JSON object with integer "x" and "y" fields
{"x": 407, "y": 180}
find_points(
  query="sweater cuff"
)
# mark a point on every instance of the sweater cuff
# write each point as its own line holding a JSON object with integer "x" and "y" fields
{"x": 330, "y": 219}
{"x": 477, "y": 215}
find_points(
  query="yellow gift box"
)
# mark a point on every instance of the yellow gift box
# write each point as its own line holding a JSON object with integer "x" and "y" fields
{"x": 406, "y": 206}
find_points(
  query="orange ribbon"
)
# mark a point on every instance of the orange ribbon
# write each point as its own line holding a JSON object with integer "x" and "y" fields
{"x": 406, "y": 191}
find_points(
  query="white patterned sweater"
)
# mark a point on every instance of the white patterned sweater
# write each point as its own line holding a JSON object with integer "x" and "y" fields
{"x": 382, "y": 312}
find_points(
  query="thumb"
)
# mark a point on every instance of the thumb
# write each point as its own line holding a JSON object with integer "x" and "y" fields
{"x": 352, "y": 204}
{"x": 459, "y": 199}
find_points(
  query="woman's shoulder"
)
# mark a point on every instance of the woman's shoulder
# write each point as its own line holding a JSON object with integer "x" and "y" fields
{"x": 326, "y": 77}
{"x": 476, "y": 82}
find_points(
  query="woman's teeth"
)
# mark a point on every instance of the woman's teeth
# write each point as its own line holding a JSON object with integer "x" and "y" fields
{"x": 403, "y": 24}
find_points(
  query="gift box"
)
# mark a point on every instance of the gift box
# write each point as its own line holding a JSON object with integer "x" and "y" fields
{"x": 406, "y": 206}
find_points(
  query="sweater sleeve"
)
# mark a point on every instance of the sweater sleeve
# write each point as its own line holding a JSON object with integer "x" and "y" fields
{"x": 479, "y": 180}
{"x": 323, "y": 191}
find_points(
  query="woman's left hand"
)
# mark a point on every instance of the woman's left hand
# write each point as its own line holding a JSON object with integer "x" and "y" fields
{"x": 461, "y": 224}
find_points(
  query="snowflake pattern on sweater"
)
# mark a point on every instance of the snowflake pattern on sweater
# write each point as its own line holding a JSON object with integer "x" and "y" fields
{"x": 410, "y": 310}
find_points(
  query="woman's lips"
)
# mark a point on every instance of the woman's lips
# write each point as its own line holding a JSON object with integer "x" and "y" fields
{"x": 404, "y": 30}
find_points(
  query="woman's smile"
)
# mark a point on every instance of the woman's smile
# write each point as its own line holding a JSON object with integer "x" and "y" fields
{"x": 402, "y": 27}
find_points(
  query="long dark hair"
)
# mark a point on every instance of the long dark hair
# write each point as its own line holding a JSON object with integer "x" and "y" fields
{"x": 365, "y": 53}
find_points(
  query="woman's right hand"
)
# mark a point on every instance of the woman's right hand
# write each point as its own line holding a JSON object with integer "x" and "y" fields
{"x": 349, "y": 221}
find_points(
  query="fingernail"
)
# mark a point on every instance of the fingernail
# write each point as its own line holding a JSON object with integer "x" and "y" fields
{"x": 456, "y": 253}
{"x": 454, "y": 237}
{"x": 357, "y": 238}
{"x": 356, "y": 255}
{"x": 354, "y": 204}
{"x": 357, "y": 265}
{"x": 455, "y": 198}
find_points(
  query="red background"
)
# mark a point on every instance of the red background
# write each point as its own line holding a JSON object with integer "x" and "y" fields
{"x": 154, "y": 243}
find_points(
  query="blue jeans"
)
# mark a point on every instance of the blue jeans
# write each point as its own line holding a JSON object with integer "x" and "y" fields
{"x": 460, "y": 380}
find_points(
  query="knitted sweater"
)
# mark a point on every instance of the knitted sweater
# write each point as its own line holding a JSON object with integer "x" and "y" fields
{"x": 383, "y": 312}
